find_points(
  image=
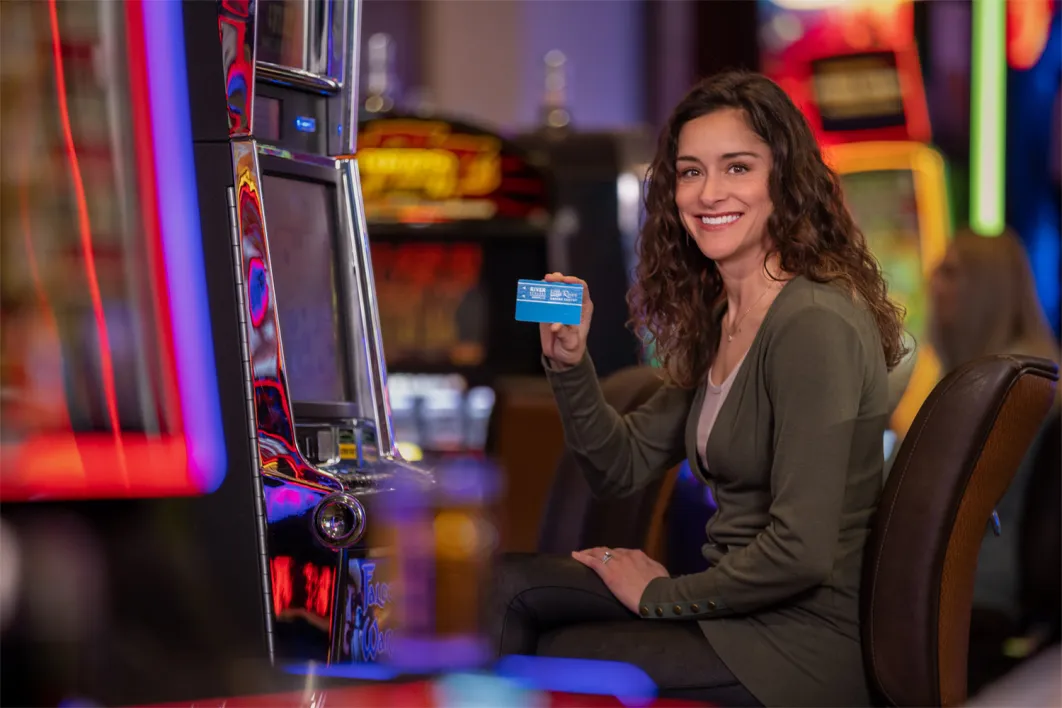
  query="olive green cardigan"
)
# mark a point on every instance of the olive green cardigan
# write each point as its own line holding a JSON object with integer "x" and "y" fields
{"x": 796, "y": 471}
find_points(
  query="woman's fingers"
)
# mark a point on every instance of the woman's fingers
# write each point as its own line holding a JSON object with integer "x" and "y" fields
{"x": 562, "y": 278}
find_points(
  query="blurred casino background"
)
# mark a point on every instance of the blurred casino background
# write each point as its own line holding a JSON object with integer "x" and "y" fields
{"x": 145, "y": 532}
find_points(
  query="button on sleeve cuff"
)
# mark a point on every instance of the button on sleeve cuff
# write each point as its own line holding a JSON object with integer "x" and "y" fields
{"x": 662, "y": 600}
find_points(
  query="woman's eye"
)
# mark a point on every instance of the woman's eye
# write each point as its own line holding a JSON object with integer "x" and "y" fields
{"x": 738, "y": 169}
{"x": 688, "y": 172}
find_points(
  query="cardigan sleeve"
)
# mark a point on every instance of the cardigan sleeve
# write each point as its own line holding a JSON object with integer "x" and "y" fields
{"x": 814, "y": 376}
{"x": 618, "y": 454}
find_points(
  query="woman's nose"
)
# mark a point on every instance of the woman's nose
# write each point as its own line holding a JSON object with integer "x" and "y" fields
{"x": 713, "y": 190}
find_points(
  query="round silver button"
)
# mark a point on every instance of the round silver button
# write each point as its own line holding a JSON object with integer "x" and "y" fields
{"x": 339, "y": 520}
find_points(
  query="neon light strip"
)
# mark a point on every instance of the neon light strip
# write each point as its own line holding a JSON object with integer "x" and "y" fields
{"x": 182, "y": 242}
{"x": 988, "y": 112}
{"x": 144, "y": 150}
{"x": 85, "y": 231}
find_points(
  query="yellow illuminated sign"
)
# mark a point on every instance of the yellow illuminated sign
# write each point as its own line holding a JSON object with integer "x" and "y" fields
{"x": 431, "y": 172}
{"x": 934, "y": 226}
{"x": 406, "y": 163}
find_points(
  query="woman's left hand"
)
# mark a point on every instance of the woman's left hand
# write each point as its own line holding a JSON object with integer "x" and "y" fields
{"x": 627, "y": 572}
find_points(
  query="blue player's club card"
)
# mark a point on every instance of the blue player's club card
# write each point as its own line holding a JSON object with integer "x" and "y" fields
{"x": 540, "y": 301}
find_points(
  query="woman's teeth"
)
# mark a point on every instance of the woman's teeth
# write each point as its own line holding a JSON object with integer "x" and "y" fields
{"x": 720, "y": 220}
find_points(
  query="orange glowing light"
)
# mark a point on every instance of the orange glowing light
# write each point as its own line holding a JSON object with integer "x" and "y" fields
{"x": 1028, "y": 27}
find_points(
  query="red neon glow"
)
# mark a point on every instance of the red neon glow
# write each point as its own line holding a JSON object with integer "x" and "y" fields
{"x": 85, "y": 232}
{"x": 59, "y": 463}
{"x": 280, "y": 572}
{"x": 1028, "y": 27}
{"x": 318, "y": 584}
{"x": 318, "y": 589}
{"x": 140, "y": 104}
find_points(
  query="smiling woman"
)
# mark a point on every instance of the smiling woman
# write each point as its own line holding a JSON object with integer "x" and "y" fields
{"x": 773, "y": 323}
{"x": 738, "y": 176}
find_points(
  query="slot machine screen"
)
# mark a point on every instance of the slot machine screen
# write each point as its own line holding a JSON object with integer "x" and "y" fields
{"x": 885, "y": 206}
{"x": 859, "y": 91}
{"x": 301, "y": 218}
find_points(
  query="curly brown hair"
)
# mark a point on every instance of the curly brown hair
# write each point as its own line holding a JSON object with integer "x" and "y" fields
{"x": 810, "y": 229}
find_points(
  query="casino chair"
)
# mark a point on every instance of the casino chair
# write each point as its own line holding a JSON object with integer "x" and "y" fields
{"x": 953, "y": 467}
{"x": 574, "y": 518}
{"x": 999, "y": 641}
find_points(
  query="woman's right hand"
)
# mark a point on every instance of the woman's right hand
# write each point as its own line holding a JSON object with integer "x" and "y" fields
{"x": 566, "y": 344}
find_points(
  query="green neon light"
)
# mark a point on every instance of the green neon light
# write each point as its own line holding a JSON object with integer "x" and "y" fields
{"x": 988, "y": 114}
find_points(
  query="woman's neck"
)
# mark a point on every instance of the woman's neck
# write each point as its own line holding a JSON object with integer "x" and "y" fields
{"x": 744, "y": 283}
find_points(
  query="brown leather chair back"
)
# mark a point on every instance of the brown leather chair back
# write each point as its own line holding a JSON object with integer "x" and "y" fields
{"x": 954, "y": 465}
{"x": 574, "y": 518}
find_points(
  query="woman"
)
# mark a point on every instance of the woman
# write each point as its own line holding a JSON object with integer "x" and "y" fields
{"x": 775, "y": 332}
{"x": 983, "y": 301}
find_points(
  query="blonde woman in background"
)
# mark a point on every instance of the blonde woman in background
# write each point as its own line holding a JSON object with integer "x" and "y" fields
{"x": 984, "y": 302}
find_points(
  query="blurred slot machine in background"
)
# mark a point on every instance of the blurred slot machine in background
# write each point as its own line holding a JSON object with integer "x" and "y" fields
{"x": 853, "y": 69}
{"x": 456, "y": 216}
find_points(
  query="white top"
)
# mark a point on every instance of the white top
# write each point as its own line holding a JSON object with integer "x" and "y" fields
{"x": 714, "y": 396}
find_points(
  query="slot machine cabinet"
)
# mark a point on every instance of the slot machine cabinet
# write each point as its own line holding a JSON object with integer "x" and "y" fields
{"x": 325, "y": 453}
{"x": 457, "y": 215}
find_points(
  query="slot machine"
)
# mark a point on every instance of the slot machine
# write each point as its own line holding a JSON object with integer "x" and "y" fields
{"x": 132, "y": 562}
{"x": 344, "y": 589}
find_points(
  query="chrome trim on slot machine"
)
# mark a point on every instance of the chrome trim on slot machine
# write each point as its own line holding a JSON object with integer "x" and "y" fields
{"x": 358, "y": 236}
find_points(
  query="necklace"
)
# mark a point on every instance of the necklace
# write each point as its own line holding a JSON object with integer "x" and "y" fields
{"x": 737, "y": 323}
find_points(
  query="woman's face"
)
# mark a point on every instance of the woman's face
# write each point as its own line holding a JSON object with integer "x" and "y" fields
{"x": 944, "y": 288}
{"x": 721, "y": 185}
